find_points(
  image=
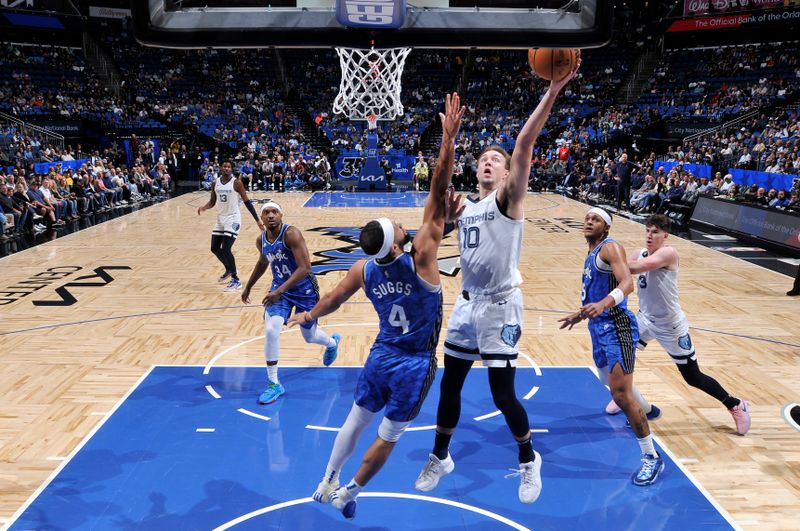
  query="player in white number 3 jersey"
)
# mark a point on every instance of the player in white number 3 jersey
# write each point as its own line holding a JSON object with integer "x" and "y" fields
{"x": 655, "y": 271}
{"x": 486, "y": 323}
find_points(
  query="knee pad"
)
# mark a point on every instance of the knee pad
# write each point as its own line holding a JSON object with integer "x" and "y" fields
{"x": 391, "y": 430}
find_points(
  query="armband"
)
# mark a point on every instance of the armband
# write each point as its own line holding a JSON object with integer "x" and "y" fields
{"x": 617, "y": 295}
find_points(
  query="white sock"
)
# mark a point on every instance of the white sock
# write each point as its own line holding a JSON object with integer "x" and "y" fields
{"x": 272, "y": 373}
{"x": 331, "y": 475}
{"x": 646, "y": 445}
{"x": 354, "y": 488}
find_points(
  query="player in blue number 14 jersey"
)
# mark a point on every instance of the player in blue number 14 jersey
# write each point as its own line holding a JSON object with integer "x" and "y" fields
{"x": 612, "y": 327}
{"x": 405, "y": 292}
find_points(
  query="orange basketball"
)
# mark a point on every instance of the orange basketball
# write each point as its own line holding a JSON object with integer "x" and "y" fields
{"x": 552, "y": 64}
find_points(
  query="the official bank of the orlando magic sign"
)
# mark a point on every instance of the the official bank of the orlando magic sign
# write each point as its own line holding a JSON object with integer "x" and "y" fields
{"x": 342, "y": 258}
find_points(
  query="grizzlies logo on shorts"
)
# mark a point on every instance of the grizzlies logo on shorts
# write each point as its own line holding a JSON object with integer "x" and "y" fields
{"x": 510, "y": 334}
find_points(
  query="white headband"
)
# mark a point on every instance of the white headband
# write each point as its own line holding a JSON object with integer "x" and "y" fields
{"x": 388, "y": 238}
{"x": 271, "y": 204}
{"x": 602, "y": 213}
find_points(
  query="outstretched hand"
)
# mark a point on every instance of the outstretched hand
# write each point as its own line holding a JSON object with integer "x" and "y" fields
{"x": 451, "y": 118}
{"x": 561, "y": 83}
{"x": 571, "y": 320}
{"x": 453, "y": 205}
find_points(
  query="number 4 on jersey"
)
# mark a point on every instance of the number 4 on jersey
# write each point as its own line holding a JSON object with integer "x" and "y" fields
{"x": 397, "y": 317}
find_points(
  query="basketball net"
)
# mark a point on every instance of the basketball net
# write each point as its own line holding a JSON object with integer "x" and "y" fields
{"x": 371, "y": 83}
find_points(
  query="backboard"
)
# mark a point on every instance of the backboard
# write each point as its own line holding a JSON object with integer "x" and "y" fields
{"x": 513, "y": 24}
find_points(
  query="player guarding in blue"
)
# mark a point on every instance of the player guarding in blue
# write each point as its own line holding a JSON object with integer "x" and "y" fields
{"x": 283, "y": 248}
{"x": 405, "y": 292}
{"x": 606, "y": 284}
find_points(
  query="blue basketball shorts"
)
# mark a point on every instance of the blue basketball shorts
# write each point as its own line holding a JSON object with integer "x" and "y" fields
{"x": 614, "y": 343}
{"x": 396, "y": 380}
{"x": 299, "y": 302}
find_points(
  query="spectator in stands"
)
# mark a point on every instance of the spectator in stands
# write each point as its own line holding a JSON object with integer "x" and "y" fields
{"x": 780, "y": 200}
{"x": 420, "y": 173}
{"x": 622, "y": 171}
{"x": 25, "y": 202}
{"x": 726, "y": 185}
{"x": 23, "y": 216}
{"x": 638, "y": 196}
{"x": 39, "y": 201}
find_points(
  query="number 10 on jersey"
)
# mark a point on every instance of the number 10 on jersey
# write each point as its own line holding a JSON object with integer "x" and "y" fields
{"x": 470, "y": 237}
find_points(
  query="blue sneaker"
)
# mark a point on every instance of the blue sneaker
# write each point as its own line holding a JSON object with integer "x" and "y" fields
{"x": 234, "y": 285}
{"x": 271, "y": 393}
{"x": 652, "y": 466}
{"x": 342, "y": 500}
{"x": 331, "y": 352}
{"x": 655, "y": 414}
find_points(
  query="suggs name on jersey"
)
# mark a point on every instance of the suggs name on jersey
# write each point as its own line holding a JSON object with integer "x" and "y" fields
{"x": 472, "y": 220}
{"x": 392, "y": 288}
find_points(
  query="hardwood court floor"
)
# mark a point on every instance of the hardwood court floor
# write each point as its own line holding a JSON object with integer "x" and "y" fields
{"x": 149, "y": 296}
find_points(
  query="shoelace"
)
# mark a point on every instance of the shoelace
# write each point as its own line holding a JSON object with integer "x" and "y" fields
{"x": 647, "y": 467}
{"x": 431, "y": 469}
{"x": 526, "y": 473}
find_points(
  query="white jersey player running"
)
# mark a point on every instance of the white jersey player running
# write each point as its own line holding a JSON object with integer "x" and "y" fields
{"x": 660, "y": 317}
{"x": 486, "y": 323}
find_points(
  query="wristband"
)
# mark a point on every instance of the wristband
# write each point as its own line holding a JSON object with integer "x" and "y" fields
{"x": 617, "y": 295}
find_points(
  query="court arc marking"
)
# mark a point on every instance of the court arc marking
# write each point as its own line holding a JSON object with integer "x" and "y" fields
{"x": 494, "y": 516}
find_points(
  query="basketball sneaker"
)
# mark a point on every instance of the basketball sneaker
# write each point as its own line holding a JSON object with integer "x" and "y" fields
{"x": 344, "y": 501}
{"x": 530, "y": 479}
{"x": 653, "y": 415}
{"x": 612, "y": 408}
{"x": 652, "y": 466}
{"x": 331, "y": 352}
{"x": 234, "y": 285}
{"x": 225, "y": 276}
{"x": 324, "y": 490}
{"x": 741, "y": 416}
{"x": 434, "y": 470}
{"x": 271, "y": 393}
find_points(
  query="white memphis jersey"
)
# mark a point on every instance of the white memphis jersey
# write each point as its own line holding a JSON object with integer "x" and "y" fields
{"x": 490, "y": 245}
{"x": 658, "y": 294}
{"x": 227, "y": 199}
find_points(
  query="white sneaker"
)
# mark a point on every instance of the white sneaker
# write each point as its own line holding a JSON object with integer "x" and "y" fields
{"x": 530, "y": 479}
{"x": 433, "y": 471}
{"x": 324, "y": 490}
{"x": 341, "y": 499}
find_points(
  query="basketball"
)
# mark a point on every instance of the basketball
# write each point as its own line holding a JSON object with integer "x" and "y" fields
{"x": 552, "y": 64}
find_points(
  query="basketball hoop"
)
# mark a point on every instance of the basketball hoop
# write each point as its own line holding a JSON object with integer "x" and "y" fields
{"x": 371, "y": 83}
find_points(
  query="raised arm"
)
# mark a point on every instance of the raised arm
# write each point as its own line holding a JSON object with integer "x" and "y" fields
{"x": 330, "y": 302}
{"x": 513, "y": 190}
{"x": 426, "y": 242}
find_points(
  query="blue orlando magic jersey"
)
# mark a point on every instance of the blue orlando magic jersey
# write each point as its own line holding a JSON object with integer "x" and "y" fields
{"x": 409, "y": 309}
{"x": 598, "y": 281}
{"x": 283, "y": 264}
